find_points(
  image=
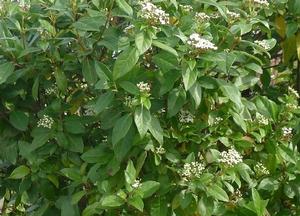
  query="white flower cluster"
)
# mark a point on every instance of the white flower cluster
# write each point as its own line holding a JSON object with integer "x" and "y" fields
{"x": 51, "y": 90}
{"x": 200, "y": 16}
{"x": 261, "y": 170}
{"x": 261, "y": 119}
{"x": 46, "y": 122}
{"x": 144, "y": 87}
{"x": 197, "y": 42}
{"x": 217, "y": 120}
{"x": 192, "y": 170}
{"x": 261, "y": 2}
{"x": 233, "y": 15}
{"x": 186, "y": 117}
{"x": 186, "y": 8}
{"x": 128, "y": 29}
{"x": 293, "y": 92}
{"x": 160, "y": 150}
{"x": 230, "y": 157}
{"x": 154, "y": 14}
{"x": 136, "y": 184}
{"x": 263, "y": 43}
{"x": 286, "y": 132}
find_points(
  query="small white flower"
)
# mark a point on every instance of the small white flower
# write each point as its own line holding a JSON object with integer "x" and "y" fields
{"x": 261, "y": 170}
{"x": 261, "y": 119}
{"x": 154, "y": 13}
{"x": 104, "y": 140}
{"x": 144, "y": 87}
{"x": 261, "y": 2}
{"x": 136, "y": 184}
{"x": 263, "y": 43}
{"x": 287, "y": 132}
{"x": 192, "y": 170}
{"x": 233, "y": 15}
{"x": 46, "y": 122}
{"x": 293, "y": 92}
{"x": 217, "y": 120}
{"x": 197, "y": 42}
{"x": 162, "y": 111}
{"x": 200, "y": 16}
{"x": 160, "y": 150}
{"x": 230, "y": 157}
{"x": 186, "y": 117}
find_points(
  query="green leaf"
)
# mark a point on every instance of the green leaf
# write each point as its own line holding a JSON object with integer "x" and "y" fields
{"x": 159, "y": 207}
{"x": 130, "y": 173}
{"x": 218, "y": 193}
{"x": 136, "y": 202}
{"x": 130, "y": 87}
{"x": 176, "y": 100}
{"x": 156, "y": 130}
{"x": 19, "y": 120}
{"x": 72, "y": 173}
{"x": 77, "y": 197}
{"x": 89, "y": 71}
{"x": 99, "y": 155}
{"x": 112, "y": 201}
{"x": 196, "y": 92}
{"x": 74, "y": 125}
{"x": 259, "y": 204}
{"x": 239, "y": 120}
{"x": 148, "y": 188}
{"x": 205, "y": 206}
{"x": 20, "y": 172}
{"x": 143, "y": 42}
{"x": 90, "y": 23}
{"x": 75, "y": 143}
{"x": 189, "y": 75}
{"x": 124, "y": 6}
{"x": 165, "y": 47}
{"x": 125, "y": 62}
{"x": 6, "y": 69}
{"x": 35, "y": 88}
{"x": 233, "y": 94}
{"x": 103, "y": 101}
{"x": 121, "y": 128}
{"x": 142, "y": 119}
{"x": 61, "y": 80}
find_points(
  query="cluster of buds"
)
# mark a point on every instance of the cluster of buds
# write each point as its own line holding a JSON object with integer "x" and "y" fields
{"x": 261, "y": 170}
{"x": 197, "y": 42}
{"x": 144, "y": 87}
{"x": 287, "y": 132}
{"x": 261, "y": 119}
{"x": 186, "y": 117}
{"x": 292, "y": 106}
{"x": 186, "y": 8}
{"x": 192, "y": 170}
{"x": 230, "y": 157}
{"x": 45, "y": 122}
{"x": 236, "y": 196}
{"x": 263, "y": 43}
{"x": 201, "y": 17}
{"x": 293, "y": 92}
{"x": 261, "y": 2}
{"x": 217, "y": 120}
{"x": 154, "y": 14}
{"x": 129, "y": 101}
{"x": 160, "y": 150}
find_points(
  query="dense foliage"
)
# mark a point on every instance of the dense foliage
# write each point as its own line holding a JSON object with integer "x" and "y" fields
{"x": 163, "y": 107}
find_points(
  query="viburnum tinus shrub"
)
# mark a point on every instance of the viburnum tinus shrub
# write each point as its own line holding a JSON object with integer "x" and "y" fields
{"x": 116, "y": 107}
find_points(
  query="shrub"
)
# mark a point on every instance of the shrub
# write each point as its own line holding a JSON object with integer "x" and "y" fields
{"x": 115, "y": 107}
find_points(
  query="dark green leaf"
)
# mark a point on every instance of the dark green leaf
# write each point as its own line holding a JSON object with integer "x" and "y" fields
{"x": 19, "y": 120}
{"x": 121, "y": 128}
